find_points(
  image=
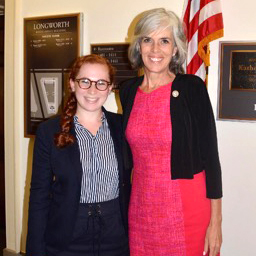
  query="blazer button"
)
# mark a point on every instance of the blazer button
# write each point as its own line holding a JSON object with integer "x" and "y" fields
{"x": 175, "y": 94}
{"x": 123, "y": 184}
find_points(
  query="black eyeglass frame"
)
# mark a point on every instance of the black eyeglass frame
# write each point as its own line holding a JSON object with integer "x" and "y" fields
{"x": 91, "y": 82}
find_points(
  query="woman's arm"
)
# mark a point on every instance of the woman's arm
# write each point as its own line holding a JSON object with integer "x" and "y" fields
{"x": 213, "y": 238}
{"x": 40, "y": 199}
{"x": 211, "y": 163}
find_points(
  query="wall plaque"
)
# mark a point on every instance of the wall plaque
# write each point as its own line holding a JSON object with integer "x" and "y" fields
{"x": 117, "y": 55}
{"x": 51, "y": 44}
{"x": 237, "y": 83}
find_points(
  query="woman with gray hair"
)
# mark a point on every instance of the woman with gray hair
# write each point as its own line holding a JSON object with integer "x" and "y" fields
{"x": 175, "y": 205}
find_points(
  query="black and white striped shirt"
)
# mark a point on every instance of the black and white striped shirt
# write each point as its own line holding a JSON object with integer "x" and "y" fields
{"x": 100, "y": 168}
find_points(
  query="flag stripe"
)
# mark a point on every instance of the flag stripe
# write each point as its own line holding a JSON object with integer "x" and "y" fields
{"x": 201, "y": 72}
{"x": 186, "y": 10}
{"x": 195, "y": 7}
{"x": 203, "y": 3}
{"x": 209, "y": 10}
{"x": 191, "y": 49}
{"x": 193, "y": 26}
{"x": 210, "y": 26}
{"x": 194, "y": 64}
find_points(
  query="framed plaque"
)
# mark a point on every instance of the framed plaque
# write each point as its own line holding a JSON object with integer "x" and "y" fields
{"x": 117, "y": 54}
{"x": 51, "y": 44}
{"x": 237, "y": 81}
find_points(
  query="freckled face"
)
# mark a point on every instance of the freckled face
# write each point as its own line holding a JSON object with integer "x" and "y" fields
{"x": 157, "y": 50}
{"x": 91, "y": 100}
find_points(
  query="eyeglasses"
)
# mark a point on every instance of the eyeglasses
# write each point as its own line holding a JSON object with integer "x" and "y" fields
{"x": 86, "y": 83}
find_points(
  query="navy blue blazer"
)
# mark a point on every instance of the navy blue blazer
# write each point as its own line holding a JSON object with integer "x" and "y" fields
{"x": 56, "y": 186}
{"x": 194, "y": 138}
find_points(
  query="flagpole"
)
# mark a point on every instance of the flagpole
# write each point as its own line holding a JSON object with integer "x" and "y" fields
{"x": 206, "y": 76}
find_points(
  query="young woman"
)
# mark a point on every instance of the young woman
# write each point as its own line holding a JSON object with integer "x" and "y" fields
{"x": 79, "y": 190}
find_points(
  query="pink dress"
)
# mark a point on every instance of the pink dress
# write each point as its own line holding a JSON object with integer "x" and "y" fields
{"x": 166, "y": 217}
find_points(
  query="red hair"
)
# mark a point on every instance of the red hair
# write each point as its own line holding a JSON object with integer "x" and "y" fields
{"x": 64, "y": 137}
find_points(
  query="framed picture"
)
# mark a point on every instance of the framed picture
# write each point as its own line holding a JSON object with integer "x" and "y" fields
{"x": 51, "y": 44}
{"x": 117, "y": 54}
{"x": 237, "y": 81}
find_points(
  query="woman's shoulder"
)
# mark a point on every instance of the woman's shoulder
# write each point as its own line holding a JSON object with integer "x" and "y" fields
{"x": 129, "y": 87}
{"x": 50, "y": 125}
{"x": 52, "y": 121}
{"x": 129, "y": 83}
{"x": 114, "y": 120}
{"x": 112, "y": 115}
{"x": 188, "y": 79}
{"x": 188, "y": 82}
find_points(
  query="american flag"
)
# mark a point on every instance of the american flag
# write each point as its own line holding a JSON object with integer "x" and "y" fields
{"x": 203, "y": 19}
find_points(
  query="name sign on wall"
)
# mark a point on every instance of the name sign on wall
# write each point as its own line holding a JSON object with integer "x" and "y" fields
{"x": 117, "y": 54}
{"x": 237, "y": 88}
{"x": 51, "y": 44}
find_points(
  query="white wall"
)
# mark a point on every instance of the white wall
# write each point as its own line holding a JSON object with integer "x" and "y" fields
{"x": 108, "y": 21}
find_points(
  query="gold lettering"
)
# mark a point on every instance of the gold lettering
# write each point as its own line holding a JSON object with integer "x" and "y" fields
{"x": 247, "y": 68}
{"x": 63, "y": 24}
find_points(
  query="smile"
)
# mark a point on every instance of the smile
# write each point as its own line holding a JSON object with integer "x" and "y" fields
{"x": 90, "y": 100}
{"x": 156, "y": 59}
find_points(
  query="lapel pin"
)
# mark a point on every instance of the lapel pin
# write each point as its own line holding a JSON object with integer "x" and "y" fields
{"x": 175, "y": 94}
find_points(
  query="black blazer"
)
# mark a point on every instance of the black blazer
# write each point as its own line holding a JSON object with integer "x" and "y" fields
{"x": 194, "y": 139}
{"x": 56, "y": 186}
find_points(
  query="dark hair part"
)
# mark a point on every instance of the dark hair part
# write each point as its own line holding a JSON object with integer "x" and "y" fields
{"x": 64, "y": 137}
{"x": 159, "y": 19}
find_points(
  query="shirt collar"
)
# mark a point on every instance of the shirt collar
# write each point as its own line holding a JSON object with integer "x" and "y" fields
{"x": 77, "y": 124}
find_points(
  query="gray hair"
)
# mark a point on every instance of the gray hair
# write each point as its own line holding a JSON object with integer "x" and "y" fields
{"x": 151, "y": 21}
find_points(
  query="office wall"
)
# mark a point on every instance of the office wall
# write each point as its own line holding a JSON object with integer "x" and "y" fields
{"x": 108, "y": 21}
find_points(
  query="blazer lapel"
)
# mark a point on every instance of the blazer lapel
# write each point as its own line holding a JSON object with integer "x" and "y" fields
{"x": 116, "y": 134}
{"x": 74, "y": 153}
{"x": 114, "y": 128}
